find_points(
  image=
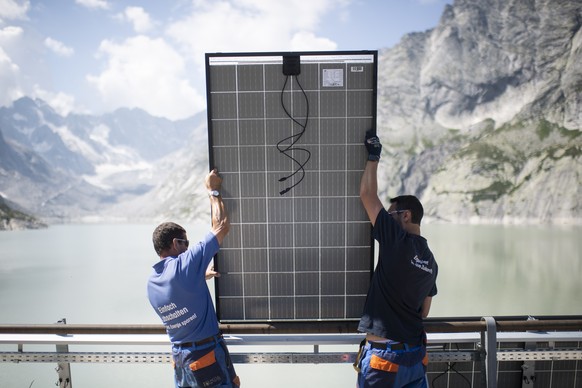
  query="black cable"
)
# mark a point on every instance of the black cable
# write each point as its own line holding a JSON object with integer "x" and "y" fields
{"x": 451, "y": 367}
{"x": 294, "y": 138}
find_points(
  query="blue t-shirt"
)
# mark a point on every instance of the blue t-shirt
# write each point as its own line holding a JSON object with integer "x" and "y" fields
{"x": 178, "y": 292}
{"x": 404, "y": 276}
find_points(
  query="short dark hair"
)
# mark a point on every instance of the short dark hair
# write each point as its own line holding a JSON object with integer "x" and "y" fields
{"x": 165, "y": 234}
{"x": 409, "y": 202}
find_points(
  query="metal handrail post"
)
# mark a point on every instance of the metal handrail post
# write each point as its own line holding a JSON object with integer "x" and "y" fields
{"x": 490, "y": 343}
{"x": 63, "y": 368}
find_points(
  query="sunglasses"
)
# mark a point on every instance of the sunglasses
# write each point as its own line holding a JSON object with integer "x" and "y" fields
{"x": 397, "y": 211}
{"x": 186, "y": 242}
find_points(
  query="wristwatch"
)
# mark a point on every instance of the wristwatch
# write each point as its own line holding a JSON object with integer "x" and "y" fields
{"x": 214, "y": 193}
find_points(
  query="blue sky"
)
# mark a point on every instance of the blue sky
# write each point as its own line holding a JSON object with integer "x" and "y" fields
{"x": 93, "y": 56}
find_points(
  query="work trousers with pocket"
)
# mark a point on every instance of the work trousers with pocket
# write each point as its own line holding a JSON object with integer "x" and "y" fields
{"x": 382, "y": 366}
{"x": 205, "y": 366}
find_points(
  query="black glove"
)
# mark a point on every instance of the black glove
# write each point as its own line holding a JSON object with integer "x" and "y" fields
{"x": 373, "y": 146}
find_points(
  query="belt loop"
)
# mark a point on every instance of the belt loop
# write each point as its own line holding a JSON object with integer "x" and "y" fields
{"x": 218, "y": 337}
{"x": 356, "y": 363}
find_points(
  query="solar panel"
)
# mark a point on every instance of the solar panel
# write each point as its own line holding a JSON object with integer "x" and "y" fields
{"x": 286, "y": 133}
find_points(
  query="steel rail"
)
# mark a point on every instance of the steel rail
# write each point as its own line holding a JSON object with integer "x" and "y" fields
{"x": 320, "y": 327}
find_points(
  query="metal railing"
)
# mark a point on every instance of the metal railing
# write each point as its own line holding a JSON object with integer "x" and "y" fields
{"x": 482, "y": 342}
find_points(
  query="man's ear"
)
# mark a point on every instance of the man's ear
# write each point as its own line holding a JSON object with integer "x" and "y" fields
{"x": 407, "y": 216}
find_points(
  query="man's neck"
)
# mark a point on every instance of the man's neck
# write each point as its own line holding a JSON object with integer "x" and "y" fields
{"x": 413, "y": 229}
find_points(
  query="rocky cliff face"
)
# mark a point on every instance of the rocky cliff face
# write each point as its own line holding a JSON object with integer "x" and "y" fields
{"x": 522, "y": 172}
{"x": 481, "y": 116}
{"x": 13, "y": 219}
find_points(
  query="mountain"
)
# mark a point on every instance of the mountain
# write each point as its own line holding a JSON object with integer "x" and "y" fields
{"x": 480, "y": 117}
{"x": 13, "y": 219}
{"x": 80, "y": 167}
{"x": 13, "y": 159}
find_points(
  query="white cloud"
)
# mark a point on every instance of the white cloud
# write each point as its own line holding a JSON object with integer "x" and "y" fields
{"x": 93, "y": 4}
{"x": 303, "y": 40}
{"x": 252, "y": 25}
{"x": 139, "y": 18}
{"x": 152, "y": 75}
{"x": 13, "y": 10}
{"x": 9, "y": 34}
{"x": 9, "y": 74}
{"x": 58, "y": 47}
{"x": 149, "y": 74}
{"x": 61, "y": 102}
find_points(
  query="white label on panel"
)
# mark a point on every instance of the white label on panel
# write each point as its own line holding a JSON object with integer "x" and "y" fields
{"x": 333, "y": 78}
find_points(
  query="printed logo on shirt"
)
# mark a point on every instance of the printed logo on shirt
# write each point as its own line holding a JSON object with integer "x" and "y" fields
{"x": 421, "y": 264}
{"x": 174, "y": 313}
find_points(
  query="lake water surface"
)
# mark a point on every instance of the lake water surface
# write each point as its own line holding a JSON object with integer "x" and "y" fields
{"x": 97, "y": 274}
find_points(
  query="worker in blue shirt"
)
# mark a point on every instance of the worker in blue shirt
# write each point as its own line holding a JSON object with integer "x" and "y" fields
{"x": 178, "y": 292}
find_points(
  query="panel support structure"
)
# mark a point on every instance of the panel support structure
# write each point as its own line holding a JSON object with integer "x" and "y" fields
{"x": 478, "y": 340}
{"x": 63, "y": 367}
{"x": 489, "y": 340}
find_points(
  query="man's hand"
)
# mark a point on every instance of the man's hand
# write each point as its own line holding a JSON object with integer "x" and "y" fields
{"x": 220, "y": 222}
{"x": 373, "y": 146}
{"x": 213, "y": 181}
{"x": 211, "y": 273}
